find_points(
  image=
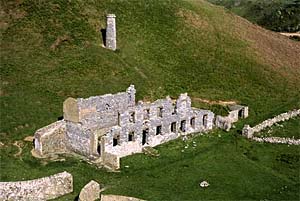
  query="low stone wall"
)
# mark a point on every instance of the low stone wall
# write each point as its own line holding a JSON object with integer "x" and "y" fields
{"x": 50, "y": 139}
{"x": 249, "y": 131}
{"x": 39, "y": 189}
{"x": 118, "y": 198}
{"x": 277, "y": 140}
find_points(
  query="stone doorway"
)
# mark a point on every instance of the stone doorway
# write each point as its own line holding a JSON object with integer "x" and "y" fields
{"x": 99, "y": 149}
{"x": 183, "y": 125}
{"x": 145, "y": 136}
{"x": 99, "y": 146}
{"x": 241, "y": 113}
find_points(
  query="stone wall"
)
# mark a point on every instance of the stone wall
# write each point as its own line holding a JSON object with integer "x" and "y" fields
{"x": 151, "y": 124}
{"x": 98, "y": 111}
{"x": 277, "y": 140}
{"x": 249, "y": 131}
{"x": 39, "y": 189}
{"x": 111, "y": 35}
{"x": 51, "y": 139}
{"x": 90, "y": 192}
{"x": 78, "y": 140}
{"x": 105, "y": 128}
{"x": 237, "y": 111}
{"x": 118, "y": 198}
{"x": 111, "y": 161}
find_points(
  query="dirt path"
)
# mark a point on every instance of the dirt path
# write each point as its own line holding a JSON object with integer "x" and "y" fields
{"x": 213, "y": 102}
{"x": 291, "y": 34}
{"x": 18, "y": 145}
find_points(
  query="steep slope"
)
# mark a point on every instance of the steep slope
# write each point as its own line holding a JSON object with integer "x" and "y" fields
{"x": 165, "y": 47}
{"x": 51, "y": 50}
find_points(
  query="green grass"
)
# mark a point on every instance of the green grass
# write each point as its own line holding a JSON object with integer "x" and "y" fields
{"x": 276, "y": 15}
{"x": 290, "y": 129}
{"x": 163, "y": 53}
{"x": 236, "y": 169}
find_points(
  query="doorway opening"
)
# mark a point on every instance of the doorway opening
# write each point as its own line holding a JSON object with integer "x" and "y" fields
{"x": 145, "y": 136}
{"x": 183, "y": 125}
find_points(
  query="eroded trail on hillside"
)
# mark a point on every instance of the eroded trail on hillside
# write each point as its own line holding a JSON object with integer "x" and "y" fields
{"x": 291, "y": 34}
{"x": 215, "y": 102}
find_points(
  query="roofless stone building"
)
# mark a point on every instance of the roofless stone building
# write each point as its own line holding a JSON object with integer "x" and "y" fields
{"x": 105, "y": 128}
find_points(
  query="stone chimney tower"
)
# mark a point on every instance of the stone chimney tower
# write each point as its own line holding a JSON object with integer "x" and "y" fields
{"x": 111, "y": 36}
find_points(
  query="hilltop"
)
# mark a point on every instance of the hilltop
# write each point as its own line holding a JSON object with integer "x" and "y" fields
{"x": 51, "y": 50}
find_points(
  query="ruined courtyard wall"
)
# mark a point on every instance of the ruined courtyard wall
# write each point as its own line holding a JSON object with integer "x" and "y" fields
{"x": 51, "y": 139}
{"x": 39, "y": 189}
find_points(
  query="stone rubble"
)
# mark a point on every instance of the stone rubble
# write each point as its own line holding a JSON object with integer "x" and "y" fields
{"x": 204, "y": 184}
{"x": 90, "y": 192}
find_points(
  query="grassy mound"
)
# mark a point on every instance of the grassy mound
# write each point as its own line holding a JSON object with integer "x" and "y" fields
{"x": 51, "y": 50}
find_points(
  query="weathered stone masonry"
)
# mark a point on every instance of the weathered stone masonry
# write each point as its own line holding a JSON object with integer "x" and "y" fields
{"x": 111, "y": 32}
{"x": 250, "y": 131}
{"x": 105, "y": 128}
{"x": 39, "y": 189}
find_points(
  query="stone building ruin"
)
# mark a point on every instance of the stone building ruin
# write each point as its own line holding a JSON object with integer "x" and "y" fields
{"x": 108, "y": 127}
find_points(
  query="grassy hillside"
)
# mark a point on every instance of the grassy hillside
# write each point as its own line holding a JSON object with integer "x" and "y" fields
{"x": 51, "y": 50}
{"x": 276, "y": 15}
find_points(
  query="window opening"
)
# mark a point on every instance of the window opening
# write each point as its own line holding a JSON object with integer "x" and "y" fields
{"x": 174, "y": 109}
{"x": 132, "y": 117}
{"x": 130, "y": 136}
{"x": 173, "y": 127}
{"x": 116, "y": 140}
{"x": 147, "y": 114}
{"x": 193, "y": 122}
{"x": 160, "y": 111}
{"x": 158, "y": 130}
{"x": 205, "y": 117}
{"x": 119, "y": 119}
